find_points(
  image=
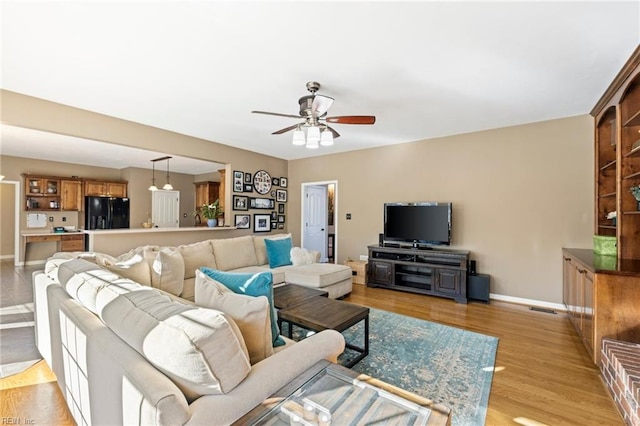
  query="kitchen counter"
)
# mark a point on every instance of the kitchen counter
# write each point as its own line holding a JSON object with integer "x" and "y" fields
{"x": 118, "y": 241}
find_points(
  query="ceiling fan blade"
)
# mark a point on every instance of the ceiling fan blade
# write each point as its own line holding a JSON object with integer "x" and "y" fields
{"x": 335, "y": 134}
{"x": 276, "y": 113}
{"x": 321, "y": 105}
{"x": 352, "y": 119}
{"x": 285, "y": 130}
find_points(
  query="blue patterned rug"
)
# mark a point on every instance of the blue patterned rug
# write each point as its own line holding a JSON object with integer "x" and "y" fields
{"x": 448, "y": 365}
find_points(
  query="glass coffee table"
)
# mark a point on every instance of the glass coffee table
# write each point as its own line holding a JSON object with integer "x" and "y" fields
{"x": 329, "y": 394}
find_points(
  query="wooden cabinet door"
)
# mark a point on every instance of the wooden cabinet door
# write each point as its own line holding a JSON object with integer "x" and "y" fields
{"x": 116, "y": 189}
{"x": 71, "y": 195}
{"x": 448, "y": 281}
{"x": 381, "y": 273}
{"x": 94, "y": 188}
{"x": 587, "y": 310}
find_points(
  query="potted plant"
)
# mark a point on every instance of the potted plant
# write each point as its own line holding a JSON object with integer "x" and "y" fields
{"x": 211, "y": 212}
{"x": 635, "y": 190}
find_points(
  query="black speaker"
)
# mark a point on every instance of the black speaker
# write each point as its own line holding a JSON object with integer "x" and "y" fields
{"x": 380, "y": 240}
{"x": 473, "y": 267}
{"x": 478, "y": 287}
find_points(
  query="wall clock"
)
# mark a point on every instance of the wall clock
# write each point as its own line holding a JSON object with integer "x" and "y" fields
{"x": 262, "y": 182}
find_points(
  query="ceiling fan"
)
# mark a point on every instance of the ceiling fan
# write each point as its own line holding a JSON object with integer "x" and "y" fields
{"x": 313, "y": 111}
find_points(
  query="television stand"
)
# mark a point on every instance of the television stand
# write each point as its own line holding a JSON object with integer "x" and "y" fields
{"x": 434, "y": 271}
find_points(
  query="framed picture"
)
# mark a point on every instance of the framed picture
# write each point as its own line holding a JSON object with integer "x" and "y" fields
{"x": 275, "y": 181}
{"x": 274, "y": 225}
{"x": 283, "y": 182}
{"x": 247, "y": 177}
{"x": 238, "y": 178}
{"x": 273, "y": 193}
{"x": 261, "y": 203}
{"x": 280, "y": 208}
{"x": 281, "y": 226}
{"x": 243, "y": 221}
{"x": 281, "y": 218}
{"x": 281, "y": 195}
{"x": 247, "y": 187}
{"x": 261, "y": 223}
{"x": 240, "y": 202}
{"x": 274, "y": 215}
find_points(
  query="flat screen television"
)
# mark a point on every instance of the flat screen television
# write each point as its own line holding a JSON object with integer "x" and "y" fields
{"x": 422, "y": 223}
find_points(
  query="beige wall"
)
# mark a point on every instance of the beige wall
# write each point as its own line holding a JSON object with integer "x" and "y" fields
{"x": 520, "y": 194}
{"x": 7, "y": 221}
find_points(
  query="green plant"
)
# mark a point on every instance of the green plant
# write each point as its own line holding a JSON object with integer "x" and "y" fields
{"x": 210, "y": 211}
{"x": 635, "y": 190}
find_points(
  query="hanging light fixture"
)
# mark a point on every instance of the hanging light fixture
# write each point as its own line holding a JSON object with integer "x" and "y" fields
{"x": 167, "y": 186}
{"x": 326, "y": 139}
{"x": 313, "y": 137}
{"x": 153, "y": 186}
{"x": 298, "y": 137}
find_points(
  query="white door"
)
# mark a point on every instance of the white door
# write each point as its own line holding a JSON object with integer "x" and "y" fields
{"x": 165, "y": 209}
{"x": 315, "y": 220}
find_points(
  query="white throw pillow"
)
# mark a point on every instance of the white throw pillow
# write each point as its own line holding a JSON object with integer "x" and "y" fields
{"x": 301, "y": 256}
{"x": 234, "y": 253}
{"x": 251, "y": 314}
{"x": 168, "y": 271}
{"x": 195, "y": 256}
{"x": 200, "y": 349}
{"x": 130, "y": 265}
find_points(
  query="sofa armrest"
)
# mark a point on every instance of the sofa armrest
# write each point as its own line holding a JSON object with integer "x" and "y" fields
{"x": 266, "y": 377}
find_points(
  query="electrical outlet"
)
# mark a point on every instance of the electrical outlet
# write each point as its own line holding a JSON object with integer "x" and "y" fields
{"x": 50, "y": 218}
{"x": 64, "y": 218}
{"x": 348, "y": 216}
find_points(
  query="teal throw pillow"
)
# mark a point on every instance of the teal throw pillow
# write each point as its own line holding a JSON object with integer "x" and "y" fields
{"x": 278, "y": 252}
{"x": 258, "y": 284}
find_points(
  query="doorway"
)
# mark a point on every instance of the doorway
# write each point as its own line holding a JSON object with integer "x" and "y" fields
{"x": 319, "y": 225}
{"x": 10, "y": 219}
{"x": 165, "y": 209}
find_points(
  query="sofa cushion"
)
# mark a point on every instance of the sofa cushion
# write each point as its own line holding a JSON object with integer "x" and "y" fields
{"x": 200, "y": 349}
{"x": 168, "y": 271}
{"x": 251, "y": 314}
{"x": 130, "y": 265}
{"x": 277, "y": 274}
{"x": 260, "y": 284}
{"x": 278, "y": 251}
{"x": 91, "y": 285}
{"x": 234, "y": 253}
{"x": 195, "y": 256}
{"x": 261, "y": 249}
{"x": 317, "y": 274}
{"x": 302, "y": 256}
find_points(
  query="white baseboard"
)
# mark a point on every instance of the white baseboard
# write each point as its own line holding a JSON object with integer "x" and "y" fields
{"x": 33, "y": 262}
{"x": 6, "y": 256}
{"x": 528, "y": 302}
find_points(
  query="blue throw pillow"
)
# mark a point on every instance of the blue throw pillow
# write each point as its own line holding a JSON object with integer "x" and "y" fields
{"x": 278, "y": 251}
{"x": 259, "y": 284}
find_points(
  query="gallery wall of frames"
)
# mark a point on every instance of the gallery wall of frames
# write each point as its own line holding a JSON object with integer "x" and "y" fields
{"x": 259, "y": 191}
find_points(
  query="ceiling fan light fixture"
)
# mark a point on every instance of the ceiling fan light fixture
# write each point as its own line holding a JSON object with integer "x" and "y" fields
{"x": 312, "y": 144}
{"x": 313, "y": 135}
{"x": 298, "y": 137}
{"x": 326, "y": 139}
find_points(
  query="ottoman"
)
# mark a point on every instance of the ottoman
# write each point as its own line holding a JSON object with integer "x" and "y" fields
{"x": 334, "y": 279}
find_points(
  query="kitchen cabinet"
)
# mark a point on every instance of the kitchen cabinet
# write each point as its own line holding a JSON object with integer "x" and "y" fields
{"x": 601, "y": 295}
{"x": 105, "y": 188}
{"x": 71, "y": 195}
{"x": 41, "y": 193}
{"x": 206, "y": 192}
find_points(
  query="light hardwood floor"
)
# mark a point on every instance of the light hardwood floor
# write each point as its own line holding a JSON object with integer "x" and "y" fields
{"x": 544, "y": 374}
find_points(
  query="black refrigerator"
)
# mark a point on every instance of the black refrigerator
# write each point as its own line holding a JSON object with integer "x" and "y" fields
{"x": 106, "y": 212}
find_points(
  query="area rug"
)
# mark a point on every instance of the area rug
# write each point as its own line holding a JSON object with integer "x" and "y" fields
{"x": 448, "y": 365}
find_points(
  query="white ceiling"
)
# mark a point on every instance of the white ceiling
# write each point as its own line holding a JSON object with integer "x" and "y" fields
{"x": 424, "y": 69}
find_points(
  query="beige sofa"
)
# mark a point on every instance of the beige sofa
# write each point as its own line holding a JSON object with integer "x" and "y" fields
{"x": 173, "y": 268}
{"x": 127, "y": 353}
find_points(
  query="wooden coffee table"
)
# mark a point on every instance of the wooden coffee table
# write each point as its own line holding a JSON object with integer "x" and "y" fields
{"x": 289, "y": 295}
{"x": 322, "y": 313}
{"x": 328, "y": 390}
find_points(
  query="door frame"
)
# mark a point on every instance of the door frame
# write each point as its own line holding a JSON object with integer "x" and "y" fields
{"x": 16, "y": 233}
{"x": 324, "y": 183}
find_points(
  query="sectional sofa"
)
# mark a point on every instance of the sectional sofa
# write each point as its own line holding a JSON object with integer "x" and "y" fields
{"x": 130, "y": 352}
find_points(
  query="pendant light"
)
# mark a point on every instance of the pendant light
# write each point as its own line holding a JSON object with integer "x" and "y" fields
{"x": 313, "y": 137}
{"x": 167, "y": 186}
{"x": 153, "y": 186}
